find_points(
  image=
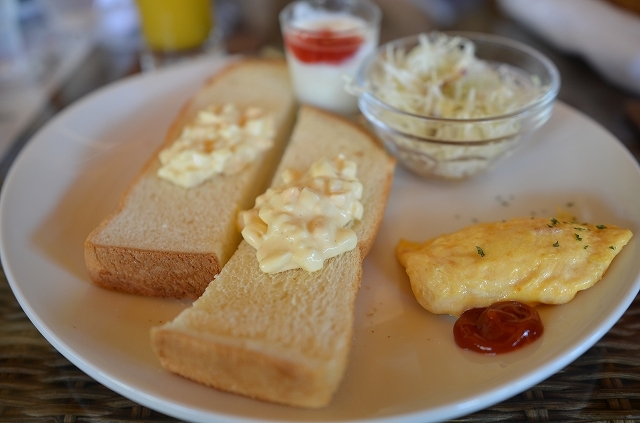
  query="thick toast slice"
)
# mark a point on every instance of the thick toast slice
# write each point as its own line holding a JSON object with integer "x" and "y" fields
{"x": 167, "y": 241}
{"x": 284, "y": 337}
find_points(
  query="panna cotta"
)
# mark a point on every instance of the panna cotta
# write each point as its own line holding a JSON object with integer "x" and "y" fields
{"x": 324, "y": 49}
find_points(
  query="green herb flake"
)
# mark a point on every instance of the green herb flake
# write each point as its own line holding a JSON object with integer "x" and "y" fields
{"x": 480, "y": 251}
{"x": 578, "y": 237}
{"x": 586, "y": 246}
{"x": 580, "y": 229}
{"x": 612, "y": 247}
{"x": 554, "y": 221}
{"x": 557, "y": 244}
{"x": 601, "y": 227}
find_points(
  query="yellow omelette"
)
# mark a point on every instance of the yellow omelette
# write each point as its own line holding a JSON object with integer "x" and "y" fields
{"x": 530, "y": 260}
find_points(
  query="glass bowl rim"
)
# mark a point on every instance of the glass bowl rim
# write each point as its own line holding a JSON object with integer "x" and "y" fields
{"x": 389, "y": 130}
{"x": 548, "y": 97}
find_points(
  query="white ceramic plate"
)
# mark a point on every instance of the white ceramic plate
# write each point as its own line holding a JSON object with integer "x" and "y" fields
{"x": 404, "y": 365}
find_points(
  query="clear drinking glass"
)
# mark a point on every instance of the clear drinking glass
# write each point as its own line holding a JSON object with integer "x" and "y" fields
{"x": 176, "y": 29}
{"x": 325, "y": 43}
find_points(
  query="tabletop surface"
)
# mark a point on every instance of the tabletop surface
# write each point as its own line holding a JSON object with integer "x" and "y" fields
{"x": 38, "y": 384}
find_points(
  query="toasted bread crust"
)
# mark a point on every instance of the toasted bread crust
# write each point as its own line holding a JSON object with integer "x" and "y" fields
{"x": 262, "y": 370}
{"x": 240, "y": 370}
{"x": 190, "y": 245}
{"x": 284, "y": 337}
{"x": 137, "y": 271}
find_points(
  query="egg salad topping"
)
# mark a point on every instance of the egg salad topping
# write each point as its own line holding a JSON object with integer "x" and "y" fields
{"x": 222, "y": 139}
{"x": 304, "y": 222}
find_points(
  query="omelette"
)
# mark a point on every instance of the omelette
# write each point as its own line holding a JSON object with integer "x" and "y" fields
{"x": 530, "y": 260}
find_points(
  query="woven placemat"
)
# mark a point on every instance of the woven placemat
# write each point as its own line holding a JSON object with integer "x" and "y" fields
{"x": 37, "y": 384}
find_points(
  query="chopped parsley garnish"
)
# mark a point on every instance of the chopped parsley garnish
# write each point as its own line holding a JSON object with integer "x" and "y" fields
{"x": 612, "y": 247}
{"x": 557, "y": 244}
{"x": 578, "y": 237}
{"x": 554, "y": 221}
{"x": 586, "y": 246}
{"x": 601, "y": 227}
{"x": 480, "y": 251}
{"x": 580, "y": 229}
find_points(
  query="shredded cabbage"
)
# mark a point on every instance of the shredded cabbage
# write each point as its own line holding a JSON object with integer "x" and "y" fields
{"x": 442, "y": 77}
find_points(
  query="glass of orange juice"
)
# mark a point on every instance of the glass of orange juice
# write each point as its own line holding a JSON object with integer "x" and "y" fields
{"x": 175, "y": 29}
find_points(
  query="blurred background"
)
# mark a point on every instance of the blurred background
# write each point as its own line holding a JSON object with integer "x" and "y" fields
{"x": 53, "y": 52}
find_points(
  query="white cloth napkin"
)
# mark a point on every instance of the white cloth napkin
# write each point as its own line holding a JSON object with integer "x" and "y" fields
{"x": 606, "y": 36}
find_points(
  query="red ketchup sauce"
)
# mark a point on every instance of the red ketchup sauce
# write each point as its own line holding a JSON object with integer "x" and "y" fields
{"x": 500, "y": 328}
{"x": 323, "y": 46}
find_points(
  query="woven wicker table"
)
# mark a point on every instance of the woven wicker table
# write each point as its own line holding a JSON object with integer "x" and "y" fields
{"x": 37, "y": 384}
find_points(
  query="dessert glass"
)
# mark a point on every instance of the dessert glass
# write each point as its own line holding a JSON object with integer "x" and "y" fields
{"x": 325, "y": 43}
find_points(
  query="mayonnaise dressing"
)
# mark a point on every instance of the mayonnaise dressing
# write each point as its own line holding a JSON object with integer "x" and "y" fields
{"x": 304, "y": 222}
{"x": 220, "y": 140}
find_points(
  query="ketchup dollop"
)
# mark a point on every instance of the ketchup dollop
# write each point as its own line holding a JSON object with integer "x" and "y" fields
{"x": 502, "y": 327}
{"x": 323, "y": 45}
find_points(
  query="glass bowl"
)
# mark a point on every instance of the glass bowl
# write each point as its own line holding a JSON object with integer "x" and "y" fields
{"x": 457, "y": 148}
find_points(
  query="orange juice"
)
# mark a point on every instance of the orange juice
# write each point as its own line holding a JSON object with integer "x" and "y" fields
{"x": 174, "y": 25}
